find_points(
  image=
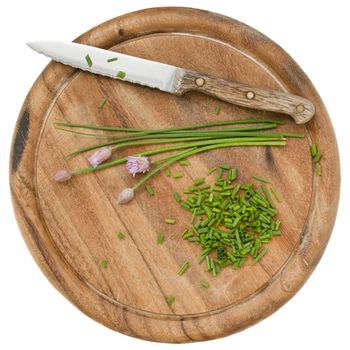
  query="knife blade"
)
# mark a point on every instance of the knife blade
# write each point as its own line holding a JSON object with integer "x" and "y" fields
{"x": 173, "y": 79}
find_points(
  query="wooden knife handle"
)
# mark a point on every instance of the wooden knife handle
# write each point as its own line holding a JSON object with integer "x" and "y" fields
{"x": 299, "y": 108}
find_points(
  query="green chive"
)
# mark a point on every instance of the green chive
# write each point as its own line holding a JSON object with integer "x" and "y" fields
{"x": 178, "y": 175}
{"x": 88, "y": 60}
{"x": 170, "y": 299}
{"x": 199, "y": 181}
{"x": 210, "y": 171}
{"x": 225, "y": 166}
{"x": 259, "y": 256}
{"x": 104, "y": 264}
{"x": 183, "y": 268}
{"x": 276, "y": 194}
{"x": 167, "y": 172}
{"x": 217, "y": 110}
{"x": 267, "y": 195}
{"x": 232, "y": 174}
{"x": 177, "y": 197}
{"x": 150, "y": 191}
{"x": 120, "y": 235}
{"x": 313, "y": 150}
{"x": 102, "y": 103}
{"x": 183, "y": 162}
{"x": 121, "y": 74}
{"x": 160, "y": 238}
{"x": 318, "y": 169}
{"x": 317, "y": 157}
{"x": 170, "y": 221}
{"x": 259, "y": 178}
{"x": 219, "y": 175}
{"x": 112, "y": 59}
{"x": 204, "y": 284}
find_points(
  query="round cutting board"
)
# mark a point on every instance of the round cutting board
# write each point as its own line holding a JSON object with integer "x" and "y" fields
{"x": 70, "y": 228}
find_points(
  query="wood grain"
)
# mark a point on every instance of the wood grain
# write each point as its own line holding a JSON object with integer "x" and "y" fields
{"x": 70, "y": 228}
{"x": 299, "y": 108}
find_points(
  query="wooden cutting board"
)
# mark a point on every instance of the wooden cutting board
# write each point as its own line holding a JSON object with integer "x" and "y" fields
{"x": 70, "y": 228}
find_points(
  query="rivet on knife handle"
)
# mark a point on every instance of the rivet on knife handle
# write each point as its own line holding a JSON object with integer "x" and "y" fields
{"x": 299, "y": 108}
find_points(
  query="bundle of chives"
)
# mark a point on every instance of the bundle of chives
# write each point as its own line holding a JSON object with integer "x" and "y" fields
{"x": 190, "y": 139}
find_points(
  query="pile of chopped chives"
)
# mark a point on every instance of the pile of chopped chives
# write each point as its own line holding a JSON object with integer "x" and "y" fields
{"x": 232, "y": 222}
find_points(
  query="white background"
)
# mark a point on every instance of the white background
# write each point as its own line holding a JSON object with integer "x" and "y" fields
{"x": 33, "y": 315}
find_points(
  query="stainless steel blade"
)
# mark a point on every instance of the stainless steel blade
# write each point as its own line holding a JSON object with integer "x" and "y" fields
{"x": 136, "y": 70}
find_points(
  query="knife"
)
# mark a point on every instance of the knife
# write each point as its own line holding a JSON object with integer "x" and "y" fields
{"x": 173, "y": 79}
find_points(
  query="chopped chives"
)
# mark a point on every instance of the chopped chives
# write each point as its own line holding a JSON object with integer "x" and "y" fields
{"x": 219, "y": 175}
{"x": 232, "y": 174}
{"x": 225, "y": 166}
{"x": 150, "y": 191}
{"x": 120, "y": 235}
{"x": 88, "y": 60}
{"x": 193, "y": 215}
{"x": 259, "y": 178}
{"x": 167, "y": 172}
{"x": 104, "y": 264}
{"x": 276, "y": 194}
{"x": 170, "y": 221}
{"x": 121, "y": 74}
{"x": 204, "y": 284}
{"x": 170, "y": 299}
{"x": 318, "y": 169}
{"x": 267, "y": 195}
{"x": 183, "y": 162}
{"x": 102, "y": 103}
{"x": 313, "y": 150}
{"x": 178, "y": 175}
{"x": 183, "y": 268}
{"x": 199, "y": 181}
{"x": 317, "y": 157}
{"x": 210, "y": 171}
{"x": 160, "y": 238}
{"x": 259, "y": 256}
{"x": 230, "y": 222}
{"x": 217, "y": 110}
{"x": 112, "y": 59}
{"x": 177, "y": 197}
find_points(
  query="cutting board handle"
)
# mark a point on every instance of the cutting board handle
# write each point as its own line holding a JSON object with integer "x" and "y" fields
{"x": 299, "y": 108}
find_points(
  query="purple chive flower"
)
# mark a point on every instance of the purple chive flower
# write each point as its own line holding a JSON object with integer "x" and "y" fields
{"x": 62, "y": 176}
{"x": 100, "y": 156}
{"x": 137, "y": 165}
{"x": 126, "y": 195}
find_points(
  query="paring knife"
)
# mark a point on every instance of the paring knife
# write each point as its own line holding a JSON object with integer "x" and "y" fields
{"x": 173, "y": 79}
